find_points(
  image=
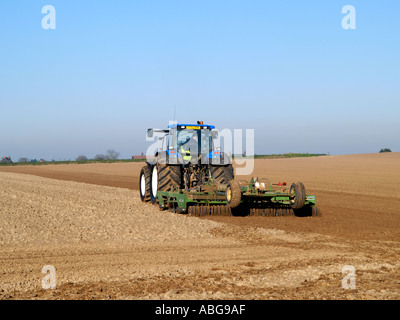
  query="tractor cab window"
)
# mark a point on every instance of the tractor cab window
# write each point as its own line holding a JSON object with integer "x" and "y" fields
{"x": 198, "y": 141}
{"x": 187, "y": 139}
{"x": 206, "y": 141}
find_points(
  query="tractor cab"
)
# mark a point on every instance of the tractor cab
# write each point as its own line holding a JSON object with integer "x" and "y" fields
{"x": 184, "y": 143}
{"x": 192, "y": 140}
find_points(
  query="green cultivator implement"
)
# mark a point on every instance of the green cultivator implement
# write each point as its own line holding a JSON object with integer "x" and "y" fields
{"x": 256, "y": 198}
{"x": 189, "y": 175}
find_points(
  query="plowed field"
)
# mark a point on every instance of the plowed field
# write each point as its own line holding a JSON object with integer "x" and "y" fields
{"x": 88, "y": 222}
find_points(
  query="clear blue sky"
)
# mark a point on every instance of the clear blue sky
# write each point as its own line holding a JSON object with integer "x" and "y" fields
{"x": 112, "y": 69}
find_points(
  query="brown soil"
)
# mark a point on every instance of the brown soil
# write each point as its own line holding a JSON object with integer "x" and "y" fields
{"x": 122, "y": 175}
{"x": 106, "y": 244}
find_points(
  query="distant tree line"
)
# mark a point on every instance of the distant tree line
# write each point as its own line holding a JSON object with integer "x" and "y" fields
{"x": 110, "y": 155}
{"x": 81, "y": 158}
{"x": 24, "y": 159}
{"x": 385, "y": 150}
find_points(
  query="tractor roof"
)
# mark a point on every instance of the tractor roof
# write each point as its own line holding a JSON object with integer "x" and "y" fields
{"x": 191, "y": 126}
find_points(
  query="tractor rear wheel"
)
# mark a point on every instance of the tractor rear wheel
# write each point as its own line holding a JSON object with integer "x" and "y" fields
{"x": 145, "y": 184}
{"x": 165, "y": 178}
{"x": 169, "y": 177}
{"x": 222, "y": 174}
{"x": 154, "y": 184}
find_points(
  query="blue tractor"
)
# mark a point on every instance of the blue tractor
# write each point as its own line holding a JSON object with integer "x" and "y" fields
{"x": 188, "y": 174}
{"x": 186, "y": 160}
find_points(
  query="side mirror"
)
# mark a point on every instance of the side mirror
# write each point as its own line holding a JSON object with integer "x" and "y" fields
{"x": 214, "y": 133}
{"x": 150, "y": 133}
